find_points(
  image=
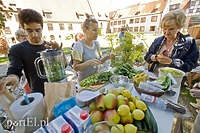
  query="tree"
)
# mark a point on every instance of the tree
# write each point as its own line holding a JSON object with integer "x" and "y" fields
{"x": 3, "y": 42}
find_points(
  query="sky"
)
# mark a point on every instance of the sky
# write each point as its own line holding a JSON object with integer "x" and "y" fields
{"x": 117, "y": 4}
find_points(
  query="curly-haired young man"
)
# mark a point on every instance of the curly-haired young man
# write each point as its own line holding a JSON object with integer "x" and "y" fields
{"x": 23, "y": 55}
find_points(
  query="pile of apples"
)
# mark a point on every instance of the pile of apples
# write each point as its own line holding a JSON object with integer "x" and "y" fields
{"x": 119, "y": 106}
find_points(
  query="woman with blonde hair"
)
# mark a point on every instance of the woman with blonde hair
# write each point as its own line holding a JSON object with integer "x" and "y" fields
{"x": 86, "y": 52}
{"x": 173, "y": 49}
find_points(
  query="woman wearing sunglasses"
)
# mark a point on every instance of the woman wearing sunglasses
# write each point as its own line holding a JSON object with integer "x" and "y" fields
{"x": 173, "y": 49}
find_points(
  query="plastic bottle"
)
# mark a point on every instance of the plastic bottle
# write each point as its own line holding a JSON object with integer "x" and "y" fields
{"x": 154, "y": 101}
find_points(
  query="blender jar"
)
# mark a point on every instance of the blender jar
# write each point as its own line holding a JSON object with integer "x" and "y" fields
{"x": 53, "y": 63}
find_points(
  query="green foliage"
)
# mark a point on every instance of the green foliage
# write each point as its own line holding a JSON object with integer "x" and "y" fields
{"x": 2, "y": 20}
{"x": 112, "y": 40}
{"x": 4, "y": 60}
{"x": 68, "y": 37}
{"x": 100, "y": 32}
{"x": 66, "y": 50}
{"x": 129, "y": 51}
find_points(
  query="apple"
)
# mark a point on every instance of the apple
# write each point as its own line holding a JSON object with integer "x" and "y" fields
{"x": 101, "y": 128}
{"x": 100, "y": 103}
{"x": 92, "y": 106}
{"x": 122, "y": 100}
{"x": 110, "y": 101}
{"x": 128, "y": 119}
{"x": 113, "y": 91}
{"x": 111, "y": 115}
{"x": 96, "y": 116}
{"x": 120, "y": 89}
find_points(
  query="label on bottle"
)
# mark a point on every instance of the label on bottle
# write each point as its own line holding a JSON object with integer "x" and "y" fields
{"x": 148, "y": 98}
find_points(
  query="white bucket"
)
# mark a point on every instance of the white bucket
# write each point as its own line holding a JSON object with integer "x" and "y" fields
{"x": 178, "y": 77}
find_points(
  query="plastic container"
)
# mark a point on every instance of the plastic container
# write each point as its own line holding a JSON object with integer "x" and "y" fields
{"x": 178, "y": 78}
{"x": 79, "y": 119}
{"x": 64, "y": 106}
{"x": 154, "y": 101}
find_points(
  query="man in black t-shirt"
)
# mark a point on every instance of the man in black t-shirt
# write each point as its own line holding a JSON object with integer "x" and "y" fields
{"x": 23, "y": 55}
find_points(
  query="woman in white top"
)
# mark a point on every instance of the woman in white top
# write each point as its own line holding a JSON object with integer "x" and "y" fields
{"x": 86, "y": 52}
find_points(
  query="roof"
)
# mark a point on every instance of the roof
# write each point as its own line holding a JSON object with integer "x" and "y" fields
{"x": 140, "y": 9}
{"x": 64, "y": 10}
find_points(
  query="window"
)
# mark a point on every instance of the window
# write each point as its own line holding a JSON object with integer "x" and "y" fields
{"x": 70, "y": 27}
{"x": 193, "y": 3}
{"x": 152, "y": 28}
{"x": 174, "y": 7}
{"x": 119, "y": 29}
{"x": 119, "y": 22}
{"x": 115, "y": 22}
{"x": 154, "y": 18}
{"x": 62, "y": 27}
{"x": 137, "y": 20}
{"x": 7, "y": 30}
{"x": 135, "y": 29}
{"x": 12, "y": 4}
{"x": 123, "y": 21}
{"x": 50, "y": 26}
{"x": 47, "y": 14}
{"x": 80, "y": 16}
{"x": 115, "y": 29}
{"x": 111, "y": 23}
{"x": 141, "y": 28}
{"x": 131, "y": 29}
{"x": 131, "y": 21}
{"x": 191, "y": 11}
{"x": 143, "y": 20}
{"x": 198, "y": 10}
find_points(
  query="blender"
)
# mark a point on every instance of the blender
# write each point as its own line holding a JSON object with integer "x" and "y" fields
{"x": 53, "y": 63}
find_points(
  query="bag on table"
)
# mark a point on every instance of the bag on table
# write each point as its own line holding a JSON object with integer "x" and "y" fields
{"x": 56, "y": 93}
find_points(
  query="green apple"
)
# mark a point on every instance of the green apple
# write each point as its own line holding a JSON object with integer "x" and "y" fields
{"x": 101, "y": 128}
{"x": 100, "y": 103}
{"x": 96, "y": 116}
{"x": 92, "y": 106}
{"x": 110, "y": 101}
{"x": 113, "y": 91}
{"x": 111, "y": 115}
{"x": 128, "y": 119}
{"x": 122, "y": 100}
{"x": 120, "y": 89}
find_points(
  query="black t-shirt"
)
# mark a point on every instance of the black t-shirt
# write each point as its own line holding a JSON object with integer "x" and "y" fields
{"x": 22, "y": 56}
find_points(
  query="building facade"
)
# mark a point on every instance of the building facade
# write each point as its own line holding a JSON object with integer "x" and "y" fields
{"x": 64, "y": 18}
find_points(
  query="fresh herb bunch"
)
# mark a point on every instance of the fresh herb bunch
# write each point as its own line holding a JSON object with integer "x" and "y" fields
{"x": 127, "y": 70}
{"x": 96, "y": 78}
